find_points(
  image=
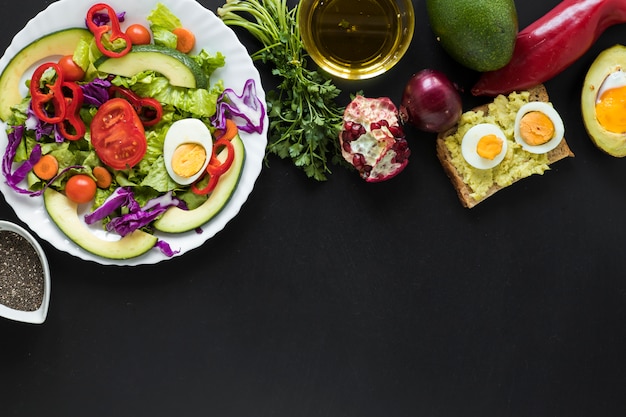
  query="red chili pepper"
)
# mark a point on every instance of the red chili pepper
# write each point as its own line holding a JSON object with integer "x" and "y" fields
{"x": 72, "y": 127}
{"x": 210, "y": 186}
{"x": 48, "y": 93}
{"x": 112, "y": 29}
{"x": 216, "y": 168}
{"x": 551, "y": 44}
{"x": 148, "y": 109}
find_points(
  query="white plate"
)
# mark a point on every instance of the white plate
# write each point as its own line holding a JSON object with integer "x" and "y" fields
{"x": 211, "y": 34}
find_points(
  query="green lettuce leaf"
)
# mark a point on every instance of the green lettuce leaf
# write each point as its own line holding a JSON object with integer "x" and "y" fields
{"x": 163, "y": 17}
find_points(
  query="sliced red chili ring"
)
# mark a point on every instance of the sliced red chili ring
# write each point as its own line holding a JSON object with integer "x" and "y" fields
{"x": 210, "y": 185}
{"x": 72, "y": 126}
{"x": 148, "y": 109}
{"x": 50, "y": 93}
{"x": 216, "y": 168}
{"x": 112, "y": 29}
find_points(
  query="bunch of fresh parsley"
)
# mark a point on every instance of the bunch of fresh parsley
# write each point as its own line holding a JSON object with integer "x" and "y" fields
{"x": 305, "y": 119}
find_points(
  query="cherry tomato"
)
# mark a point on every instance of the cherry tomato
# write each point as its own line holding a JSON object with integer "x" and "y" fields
{"x": 80, "y": 188}
{"x": 117, "y": 134}
{"x": 138, "y": 34}
{"x": 70, "y": 69}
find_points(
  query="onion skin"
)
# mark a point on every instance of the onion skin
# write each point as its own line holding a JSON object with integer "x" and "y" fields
{"x": 430, "y": 102}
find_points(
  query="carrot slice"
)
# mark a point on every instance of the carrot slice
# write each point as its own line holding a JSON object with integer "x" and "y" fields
{"x": 103, "y": 177}
{"x": 229, "y": 131}
{"x": 186, "y": 40}
{"x": 47, "y": 167}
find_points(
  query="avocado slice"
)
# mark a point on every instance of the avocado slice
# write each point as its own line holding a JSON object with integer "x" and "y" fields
{"x": 607, "y": 62}
{"x": 179, "y": 68}
{"x": 55, "y": 44}
{"x": 176, "y": 220}
{"x": 64, "y": 213}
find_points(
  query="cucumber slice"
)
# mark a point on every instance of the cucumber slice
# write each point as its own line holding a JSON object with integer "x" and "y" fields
{"x": 64, "y": 214}
{"x": 176, "y": 220}
{"x": 179, "y": 68}
{"x": 54, "y": 45}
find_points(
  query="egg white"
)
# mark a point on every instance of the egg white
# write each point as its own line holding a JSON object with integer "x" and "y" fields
{"x": 615, "y": 79}
{"x": 470, "y": 142}
{"x": 553, "y": 115}
{"x": 186, "y": 131}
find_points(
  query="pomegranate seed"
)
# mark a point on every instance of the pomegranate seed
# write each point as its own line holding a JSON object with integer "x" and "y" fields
{"x": 358, "y": 160}
{"x": 396, "y": 131}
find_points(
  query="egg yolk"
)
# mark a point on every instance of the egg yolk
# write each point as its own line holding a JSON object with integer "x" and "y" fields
{"x": 188, "y": 159}
{"x": 489, "y": 146}
{"x": 536, "y": 128}
{"x": 611, "y": 110}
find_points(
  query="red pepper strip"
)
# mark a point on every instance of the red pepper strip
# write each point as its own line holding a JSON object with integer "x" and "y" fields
{"x": 99, "y": 31}
{"x": 210, "y": 186}
{"x": 49, "y": 93}
{"x": 551, "y": 44}
{"x": 148, "y": 109}
{"x": 216, "y": 168}
{"x": 72, "y": 127}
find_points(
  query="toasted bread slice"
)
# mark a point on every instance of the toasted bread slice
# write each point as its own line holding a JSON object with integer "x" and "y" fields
{"x": 463, "y": 190}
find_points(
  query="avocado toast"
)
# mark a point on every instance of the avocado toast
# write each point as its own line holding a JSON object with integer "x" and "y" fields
{"x": 466, "y": 180}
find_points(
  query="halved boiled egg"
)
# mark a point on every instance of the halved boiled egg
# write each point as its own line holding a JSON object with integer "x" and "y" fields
{"x": 484, "y": 146}
{"x": 538, "y": 127}
{"x": 611, "y": 101}
{"x": 187, "y": 149}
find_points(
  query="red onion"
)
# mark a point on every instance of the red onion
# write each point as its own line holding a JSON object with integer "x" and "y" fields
{"x": 430, "y": 102}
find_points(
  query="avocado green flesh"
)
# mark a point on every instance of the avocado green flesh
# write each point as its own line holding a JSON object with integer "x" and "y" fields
{"x": 64, "y": 214}
{"x": 56, "y": 44}
{"x": 176, "y": 220}
{"x": 479, "y": 34}
{"x": 610, "y": 60}
{"x": 178, "y": 68}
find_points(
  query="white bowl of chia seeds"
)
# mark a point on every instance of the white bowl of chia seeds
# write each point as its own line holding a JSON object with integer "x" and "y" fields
{"x": 24, "y": 276}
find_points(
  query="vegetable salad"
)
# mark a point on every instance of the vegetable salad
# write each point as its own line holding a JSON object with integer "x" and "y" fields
{"x": 131, "y": 196}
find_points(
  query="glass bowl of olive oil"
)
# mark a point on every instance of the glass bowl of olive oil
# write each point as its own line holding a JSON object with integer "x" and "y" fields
{"x": 356, "y": 39}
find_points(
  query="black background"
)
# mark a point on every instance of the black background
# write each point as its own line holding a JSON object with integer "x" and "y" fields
{"x": 350, "y": 299}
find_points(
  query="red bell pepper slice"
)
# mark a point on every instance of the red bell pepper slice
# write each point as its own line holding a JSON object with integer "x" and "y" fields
{"x": 72, "y": 127}
{"x": 210, "y": 186}
{"x": 148, "y": 109}
{"x": 216, "y": 168}
{"x": 48, "y": 93}
{"x": 112, "y": 29}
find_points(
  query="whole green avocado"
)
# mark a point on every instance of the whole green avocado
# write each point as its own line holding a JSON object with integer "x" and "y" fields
{"x": 479, "y": 34}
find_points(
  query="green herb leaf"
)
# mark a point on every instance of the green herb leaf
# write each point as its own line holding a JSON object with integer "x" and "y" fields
{"x": 304, "y": 118}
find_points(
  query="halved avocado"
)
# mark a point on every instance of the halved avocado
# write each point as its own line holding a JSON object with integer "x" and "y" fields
{"x": 176, "y": 220}
{"x": 64, "y": 213}
{"x": 179, "y": 68}
{"x": 58, "y": 43}
{"x": 607, "y": 62}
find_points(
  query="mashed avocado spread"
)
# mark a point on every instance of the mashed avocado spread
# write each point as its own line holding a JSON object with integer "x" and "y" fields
{"x": 517, "y": 163}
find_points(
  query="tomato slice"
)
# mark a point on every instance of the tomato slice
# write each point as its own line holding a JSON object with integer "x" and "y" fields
{"x": 117, "y": 134}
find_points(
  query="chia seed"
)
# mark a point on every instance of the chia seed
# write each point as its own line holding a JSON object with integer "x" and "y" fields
{"x": 21, "y": 273}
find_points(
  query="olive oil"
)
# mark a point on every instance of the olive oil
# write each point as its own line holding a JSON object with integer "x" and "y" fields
{"x": 356, "y": 38}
